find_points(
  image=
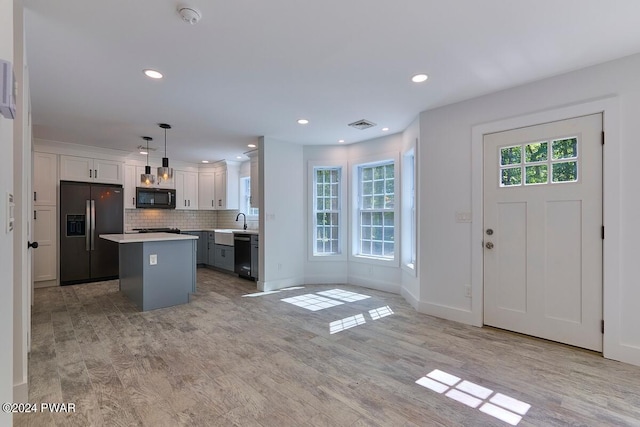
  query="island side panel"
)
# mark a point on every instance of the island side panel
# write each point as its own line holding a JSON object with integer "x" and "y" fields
{"x": 172, "y": 279}
{"x": 131, "y": 272}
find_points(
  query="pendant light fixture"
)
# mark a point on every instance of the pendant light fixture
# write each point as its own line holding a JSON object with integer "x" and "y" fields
{"x": 165, "y": 172}
{"x": 146, "y": 178}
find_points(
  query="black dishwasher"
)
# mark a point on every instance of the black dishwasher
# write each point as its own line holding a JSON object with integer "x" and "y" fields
{"x": 243, "y": 244}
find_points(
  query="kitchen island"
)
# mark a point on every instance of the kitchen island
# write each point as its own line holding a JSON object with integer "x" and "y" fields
{"x": 157, "y": 270}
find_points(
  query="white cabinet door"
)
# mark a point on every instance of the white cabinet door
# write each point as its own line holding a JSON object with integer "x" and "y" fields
{"x": 220, "y": 189}
{"x": 74, "y": 168}
{"x": 130, "y": 183}
{"x": 227, "y": 187}
{"x": 44, "y": 232}
{"x": 45, "y": 178}
{"x": 191, "y": 190}
{"x": 206, "y": 191}
{"x": 107, "y": 171}
{"x": 186, "y": 190}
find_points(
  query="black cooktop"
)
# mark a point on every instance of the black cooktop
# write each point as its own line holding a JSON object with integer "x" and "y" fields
{"x": 157, "y": 230}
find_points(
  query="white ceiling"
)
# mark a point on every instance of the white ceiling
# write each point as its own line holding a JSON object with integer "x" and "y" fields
{"x": 251, "y": 68}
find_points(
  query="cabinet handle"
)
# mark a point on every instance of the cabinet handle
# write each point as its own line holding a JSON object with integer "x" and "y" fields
{"x": 35, "y": 196}
{"x": 133, "y": 201}
{"x": 212, "y": 203}
{"x": 90, "y": 173}
{"x": 219, "y": 202}
{"x": 35, "y": 215}
{"x": 95, "y": 173}
{"x": 189, "y": 203}
{"x": 185, "y": 203}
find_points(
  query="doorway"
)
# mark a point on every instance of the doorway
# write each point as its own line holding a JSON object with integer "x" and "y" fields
{"x": 542, "y": 225}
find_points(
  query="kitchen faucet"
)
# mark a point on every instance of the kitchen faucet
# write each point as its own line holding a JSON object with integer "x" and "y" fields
{"x": 245, "y": 219}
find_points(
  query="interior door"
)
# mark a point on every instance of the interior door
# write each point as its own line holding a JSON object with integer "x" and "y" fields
{"x": 543, "y": 231}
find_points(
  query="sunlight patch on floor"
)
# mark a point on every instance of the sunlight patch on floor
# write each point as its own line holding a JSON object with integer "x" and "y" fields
{"x": 380, "y": 312}
{"x": 346, "y": 323}
{"x": 312, "y": 302}
{"x": 500, "y": 406}
{"x": 345, "y": 296}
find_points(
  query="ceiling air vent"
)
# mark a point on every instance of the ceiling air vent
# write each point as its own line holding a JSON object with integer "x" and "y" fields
{"x": 362, "y": 124}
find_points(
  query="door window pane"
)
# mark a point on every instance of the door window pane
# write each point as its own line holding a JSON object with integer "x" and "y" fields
{"x": 536, "y": 152}
{"x": 510, "y": 155}
{"x": 565, "y": 172}
{"x": 511, "y": 176}
{"x": 536, "y": 174}
{"x": 565, "y": 149}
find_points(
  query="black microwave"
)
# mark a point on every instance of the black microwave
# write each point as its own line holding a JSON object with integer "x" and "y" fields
{"x": 158, "y": 198}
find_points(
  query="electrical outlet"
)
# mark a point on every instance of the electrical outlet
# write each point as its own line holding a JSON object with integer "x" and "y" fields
{"x": 467, "y": 291}
{"x": 153, "y": 259}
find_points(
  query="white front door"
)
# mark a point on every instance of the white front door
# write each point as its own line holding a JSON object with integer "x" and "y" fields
{"x": 543, "y": 231}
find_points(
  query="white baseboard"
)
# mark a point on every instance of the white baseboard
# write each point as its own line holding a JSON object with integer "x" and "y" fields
{"x": 410, "y": 298}
{"x": 45, "y": 284}
{"x": 367, "y": 282}
{"x": 448, "y": 313}
{"x": 274, "y": 285}
{"x": 21, "y": 393}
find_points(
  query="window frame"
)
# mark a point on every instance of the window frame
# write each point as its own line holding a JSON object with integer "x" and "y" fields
{"x": 341, "y": 255}
{"x": 409, "y": 211}
{"x": 245, "y": 204}
{"x": 355, "y": 212}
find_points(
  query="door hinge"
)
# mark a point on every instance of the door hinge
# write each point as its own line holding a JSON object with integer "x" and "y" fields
{"x": 602, "y": 137}
{"x": 602, "y": 327}
{"x": 602, "y": 232}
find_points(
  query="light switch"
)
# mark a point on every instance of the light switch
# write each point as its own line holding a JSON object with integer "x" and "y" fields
{"x": 463, "y": 216}
{"x": 153, "y": 259}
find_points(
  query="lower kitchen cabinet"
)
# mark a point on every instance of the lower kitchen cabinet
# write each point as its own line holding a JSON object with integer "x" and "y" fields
{"x": 223, "y": 257}
{"x": 202, "y": 256}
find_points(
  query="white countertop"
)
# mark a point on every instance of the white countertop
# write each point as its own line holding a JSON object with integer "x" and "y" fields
{"x": 146, "y": 237}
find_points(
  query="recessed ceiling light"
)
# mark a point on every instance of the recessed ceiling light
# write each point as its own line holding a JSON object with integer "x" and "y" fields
{"x": 144, "y": 152}
{"x": 238, "y": 157}
{"x": 152, "y": 73}
{"x": 251, "y": 145}
{"x": 419, "y": 78}
{"x": 303, "y": 121}
{"x": 385, "y": 129}
{"x": 205, "y": 161}
{"x": 341, "y": 141}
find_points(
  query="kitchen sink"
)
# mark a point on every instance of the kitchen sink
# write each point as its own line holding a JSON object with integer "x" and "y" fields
{"x": 223, "y": 237}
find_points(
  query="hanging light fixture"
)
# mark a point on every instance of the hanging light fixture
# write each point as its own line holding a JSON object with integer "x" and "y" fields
{"x": 146, "y": 178}
{"x": 165, "y": 172}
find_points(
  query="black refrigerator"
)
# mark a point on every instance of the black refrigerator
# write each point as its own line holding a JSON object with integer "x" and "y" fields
{"x": 86, "y": 211}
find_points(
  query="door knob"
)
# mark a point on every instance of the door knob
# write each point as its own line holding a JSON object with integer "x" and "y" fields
{"x": 33, "y": 245}
{"x": 489, "y": 245}
{"x": 489, "y": 231}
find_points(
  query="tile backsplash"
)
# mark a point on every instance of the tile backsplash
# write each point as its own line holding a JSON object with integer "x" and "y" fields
{"x": 184, "y": 220}
{"x": 227, "y": 219}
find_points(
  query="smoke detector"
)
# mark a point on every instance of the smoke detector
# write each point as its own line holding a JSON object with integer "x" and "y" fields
{"x": 189, "y": 14}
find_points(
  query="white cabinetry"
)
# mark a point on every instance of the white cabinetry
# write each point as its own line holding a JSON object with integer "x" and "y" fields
{"x": 73, "y": 168}
{"x": 186, "y": 190}
{"x": 45, "y": 180}
{"x": 206, "y": 191}
{"x": 44, "y": 232}
{"x": 130, "y": 184}
{"x": 226, "y": 185}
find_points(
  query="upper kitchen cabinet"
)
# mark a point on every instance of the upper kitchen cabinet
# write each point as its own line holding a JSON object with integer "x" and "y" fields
{"x": 85, "y": 169}
{"x": 45, "y": 178}
{"x": 255, "y": 179}
{"x": 186, "y": 190}
{"x": 206, "y": 191}
{"x": 227, "y": 185}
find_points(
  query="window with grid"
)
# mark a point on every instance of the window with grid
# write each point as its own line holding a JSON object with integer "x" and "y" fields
{"x": 245, "y": 200}
{"x": 327, "y": 210}
{"x": 376, "y": 210}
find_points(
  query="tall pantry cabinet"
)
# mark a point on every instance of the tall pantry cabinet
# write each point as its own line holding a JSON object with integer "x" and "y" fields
{"x": 44, "y": 220}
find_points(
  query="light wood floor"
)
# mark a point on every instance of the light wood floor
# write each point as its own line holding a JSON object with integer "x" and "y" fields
{"x": 224, "y": 360}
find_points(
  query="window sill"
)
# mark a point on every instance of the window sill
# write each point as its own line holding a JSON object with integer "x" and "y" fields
{"x": 390, "y": 262}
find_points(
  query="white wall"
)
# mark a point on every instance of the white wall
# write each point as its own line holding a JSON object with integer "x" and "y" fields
{"x": 446, "y": 167}
{"x": 22, "y": 193}
{"x": 282, "y": 224}
{"x": 6, "y": 239}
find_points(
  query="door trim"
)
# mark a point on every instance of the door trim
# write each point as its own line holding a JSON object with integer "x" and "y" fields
{"x": 609, "y": 107}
